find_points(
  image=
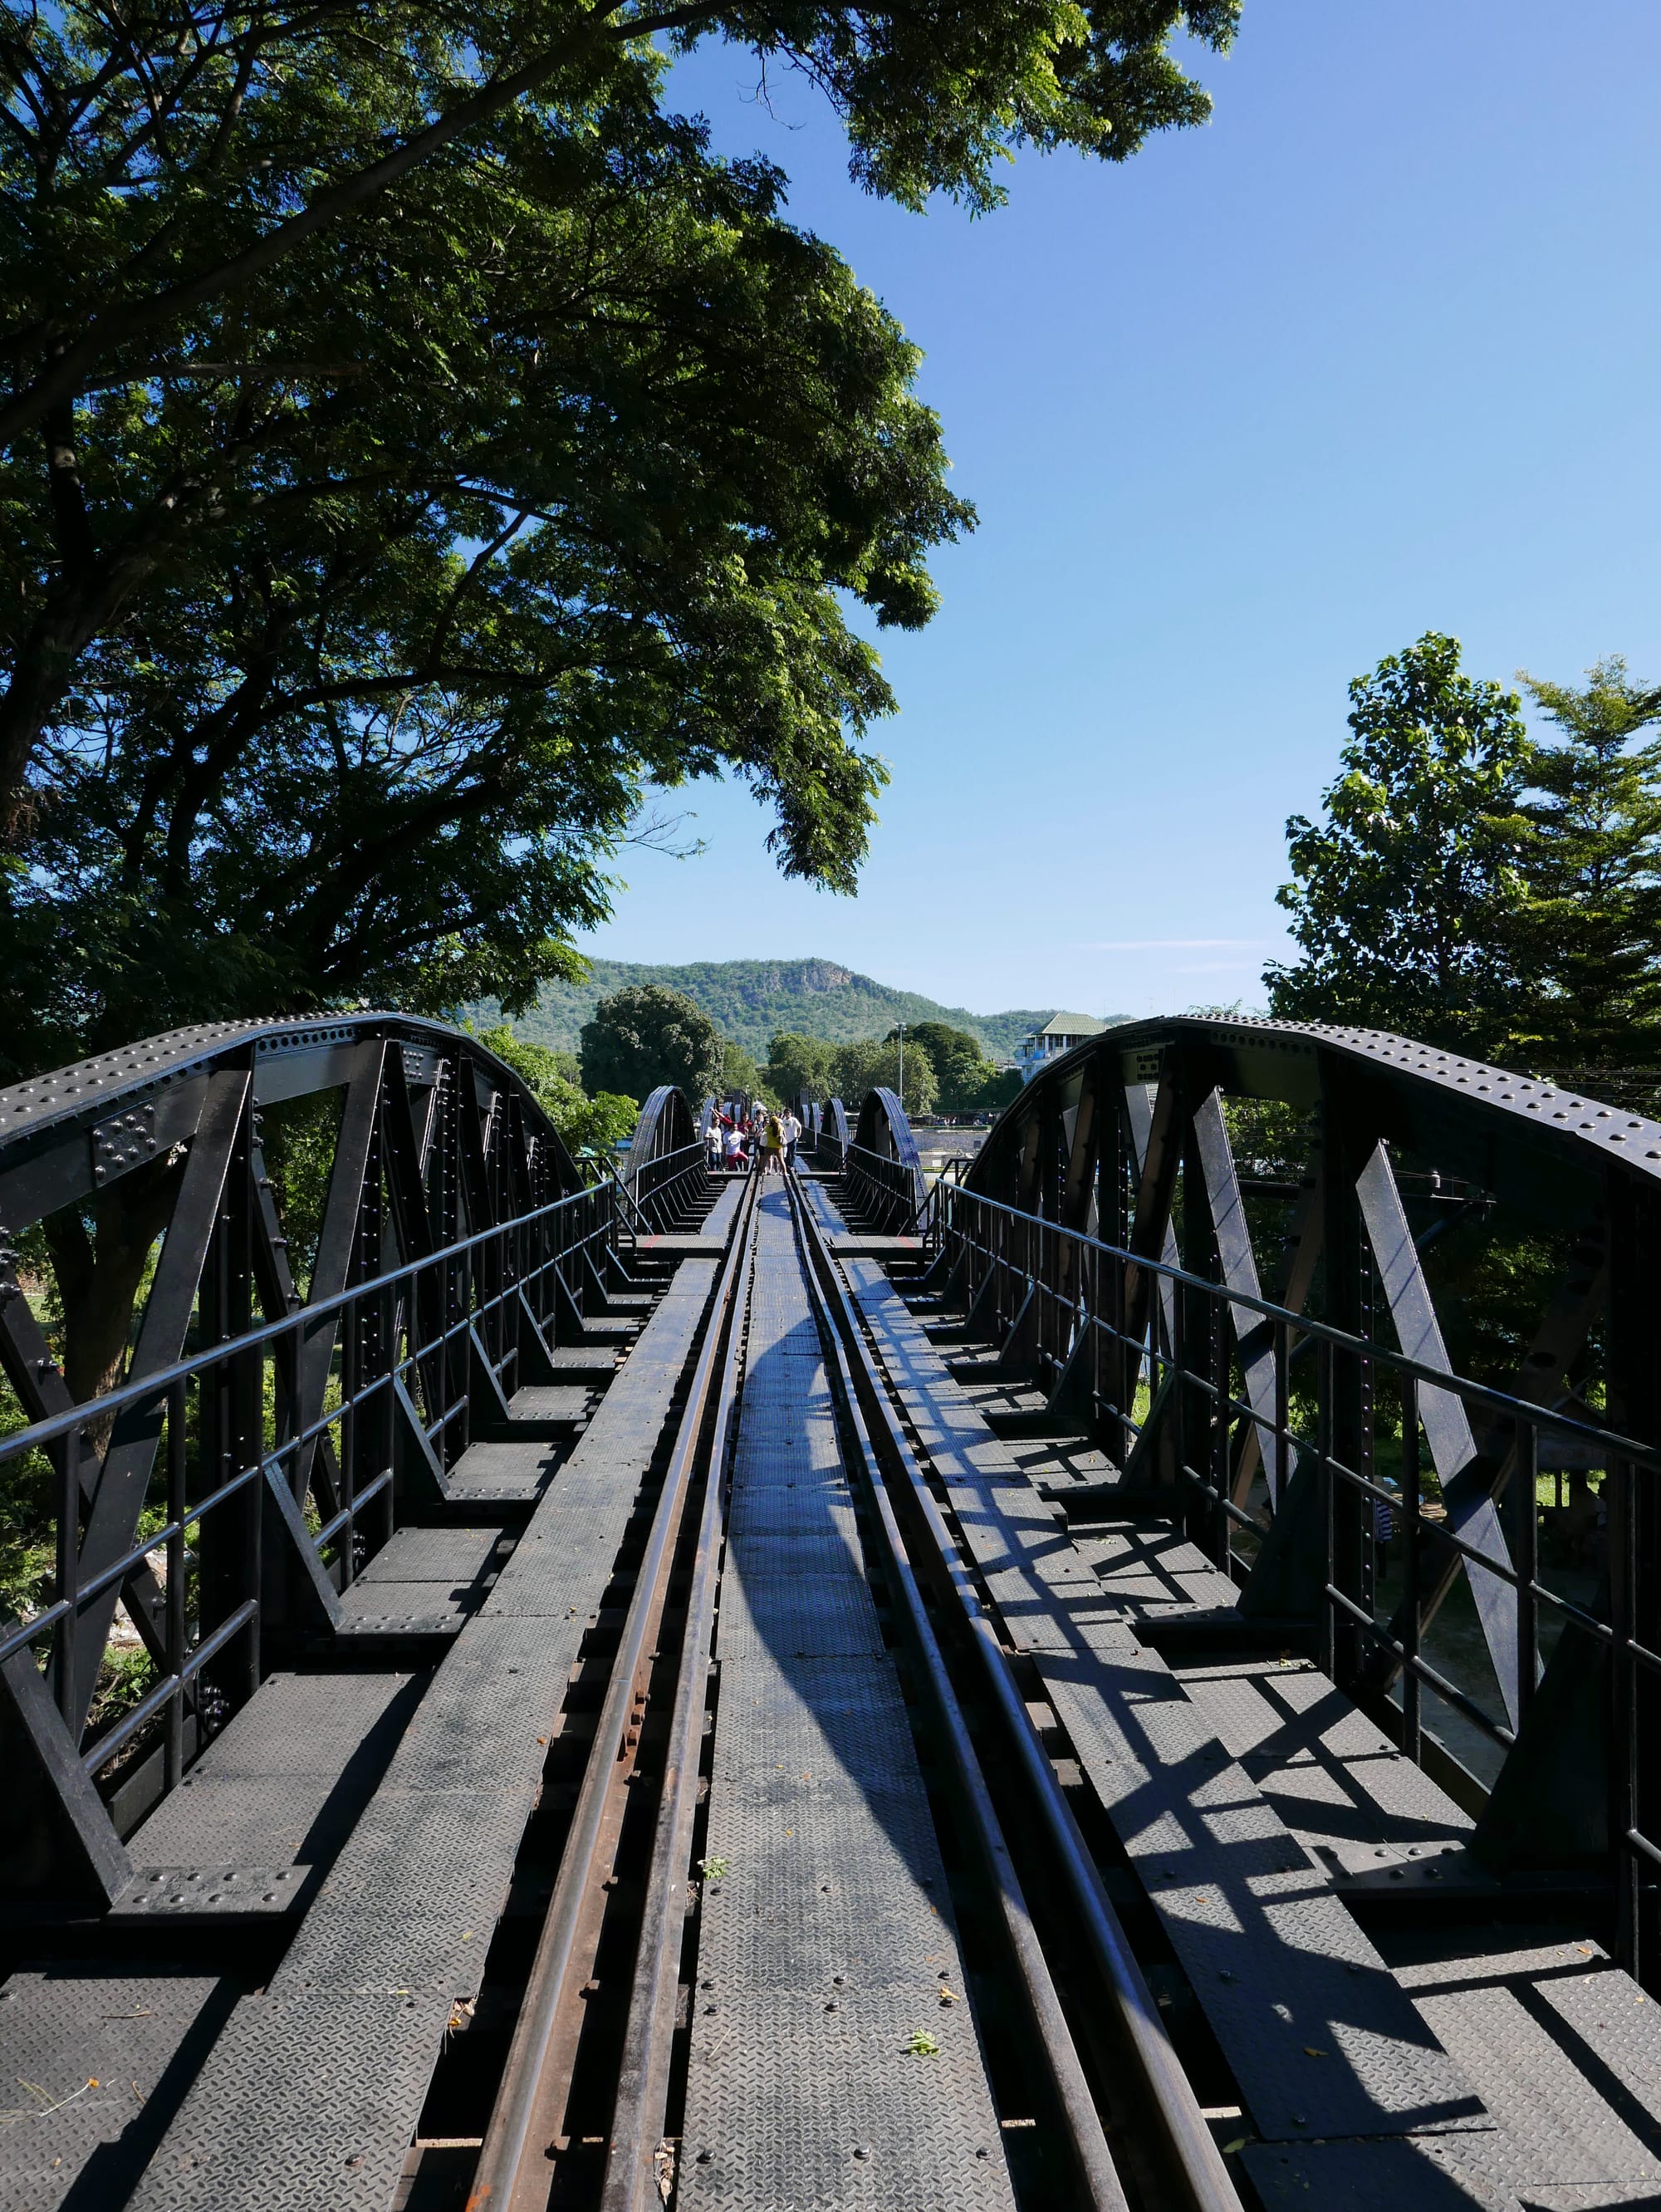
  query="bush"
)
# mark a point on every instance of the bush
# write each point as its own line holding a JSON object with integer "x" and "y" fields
{"x": 586, "y": 1124}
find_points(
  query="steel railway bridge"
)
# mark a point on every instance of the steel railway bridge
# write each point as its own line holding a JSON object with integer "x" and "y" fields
{"x": 1078, "y": 1685}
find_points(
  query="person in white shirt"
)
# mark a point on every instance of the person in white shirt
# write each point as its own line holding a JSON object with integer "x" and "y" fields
{"x": 791, "y": 1129}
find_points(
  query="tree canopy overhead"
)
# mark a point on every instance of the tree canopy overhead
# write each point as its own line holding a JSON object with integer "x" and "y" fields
{"x": 228, "y": 224}
{"x": 378, "y": 736}
{"x": 416, "y": 447}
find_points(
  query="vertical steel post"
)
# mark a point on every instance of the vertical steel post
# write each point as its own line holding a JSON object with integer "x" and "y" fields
{"x": 1525, "y": 1552}
{"x": 67, "y": 1466}
{"x": 1326, "y": 1375}
{"x": 1412, "y": 1570}
{"x": 173, "y": 1745}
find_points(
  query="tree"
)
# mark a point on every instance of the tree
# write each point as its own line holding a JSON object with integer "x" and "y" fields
{"x": 800, "y": 1067}
{"x": 644, "y": 1035}
{"x": 185, "y": 195}
{"x": 1588, "y": 931}
{"x": 869, "y": 1065}
{"x": 1001, "y": 1089}
{"x": 962, "y": 1071}
{"x": 587, "y": 1125}
{"x": 343, "y": 757}
{"x": 740, "y": 1077}
{"x": 1403, "y": 897}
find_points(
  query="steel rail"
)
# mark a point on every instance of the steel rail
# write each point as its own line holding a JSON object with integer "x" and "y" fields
{"x": 1193, "y": 2165}
{"x": 1086, "y": 2143}
{"x": 642, "y": 2093}
{"x": 511, "y": 2173}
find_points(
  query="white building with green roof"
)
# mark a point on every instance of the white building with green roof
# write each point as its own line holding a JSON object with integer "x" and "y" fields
{"x": 1059, "y": 1035}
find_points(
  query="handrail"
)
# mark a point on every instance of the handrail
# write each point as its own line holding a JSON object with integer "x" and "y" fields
{"x": 148, "y": 1387}
{"x": 1305, "y": 1325}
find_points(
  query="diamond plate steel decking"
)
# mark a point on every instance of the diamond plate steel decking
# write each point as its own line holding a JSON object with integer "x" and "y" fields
{"x": 95, "y": 2065}
{"x": 826, "y": 1945}
{"x": 309, "y": 2094}
{"x": 1233, "y": 1787}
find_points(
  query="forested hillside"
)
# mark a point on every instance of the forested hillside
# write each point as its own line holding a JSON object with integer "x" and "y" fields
{"x": 751, "y": 1001}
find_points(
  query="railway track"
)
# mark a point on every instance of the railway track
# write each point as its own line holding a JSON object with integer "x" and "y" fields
{"x": 1065, "y": 2068}
{"x": 802, "y": 1807}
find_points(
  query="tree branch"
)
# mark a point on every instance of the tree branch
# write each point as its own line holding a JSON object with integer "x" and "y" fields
{"x": 63, "y": 378}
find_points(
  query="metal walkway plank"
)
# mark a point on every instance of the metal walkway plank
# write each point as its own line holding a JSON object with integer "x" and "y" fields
{"x": 1532, "y": 2023}
{"x": 1333, "y": 1776}
{"x": 96, "y": 2063}
{"x": 567, "y": 1402}
{"x": 282, "y": 1784}
{"x": 422, "y": 1582}
{"x": 826, "y": 1948}
{"x": 311, "y": 2094}
{"x": 1321, "y": 2039}
{"x": 510, "y": 1472}
{"x": 437, "y": 1555}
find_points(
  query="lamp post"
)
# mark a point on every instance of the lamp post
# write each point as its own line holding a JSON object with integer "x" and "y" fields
{"x": 900, "y": 1032}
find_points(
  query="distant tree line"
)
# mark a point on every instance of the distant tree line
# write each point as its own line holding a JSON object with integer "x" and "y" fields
{"x": 647, "y": 1033}
{"x": 1480, "y": 888}
{"x": 945, "y": 1070}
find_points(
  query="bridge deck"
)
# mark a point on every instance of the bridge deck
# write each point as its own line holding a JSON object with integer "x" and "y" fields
{"x": 343, "y": 1872}
{"x": 1456, "y": 2060}
{"x": 826, "y": 1943}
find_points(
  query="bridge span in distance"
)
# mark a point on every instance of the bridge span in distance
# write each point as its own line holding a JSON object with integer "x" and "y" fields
{"x": 1127, "y": 1678}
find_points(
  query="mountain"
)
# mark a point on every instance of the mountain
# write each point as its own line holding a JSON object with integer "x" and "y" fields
{"x": 752, "y": 1000}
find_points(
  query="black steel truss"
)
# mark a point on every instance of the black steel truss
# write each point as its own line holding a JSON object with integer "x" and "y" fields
{"x": 263, "y": 1442}
{"x": 667, "y": 1159}
{"x": 1252, "y": 1342}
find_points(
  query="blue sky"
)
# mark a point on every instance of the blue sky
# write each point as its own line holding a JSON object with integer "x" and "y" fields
{"x": 1378, "y": 351}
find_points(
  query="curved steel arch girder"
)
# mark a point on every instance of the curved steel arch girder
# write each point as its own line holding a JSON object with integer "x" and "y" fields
{"x": 883, "y": 1130}
{"x": 666, "y": 1125}
{"x": 68, "y": 1134}
{"x": 1549, "y": 1152}
{"x": 1126, "y": 1137}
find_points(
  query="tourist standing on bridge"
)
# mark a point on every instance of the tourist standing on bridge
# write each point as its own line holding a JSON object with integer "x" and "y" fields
{"x": 772, "y": 1146}
{"x": 791, "y": 1129}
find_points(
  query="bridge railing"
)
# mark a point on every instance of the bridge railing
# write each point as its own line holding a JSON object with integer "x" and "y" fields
{"x": 881, "y": 1172}
{"x": 1175, "y": 1418}
{"x": 667, "y": 1167}
{"x": 882, "y": 1190}
{"x": 831, "y": 1138}
{"x": 272, "y": 1428}
{"x": 410, "y": 1376}
{"x": 1374, "y": 1507}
